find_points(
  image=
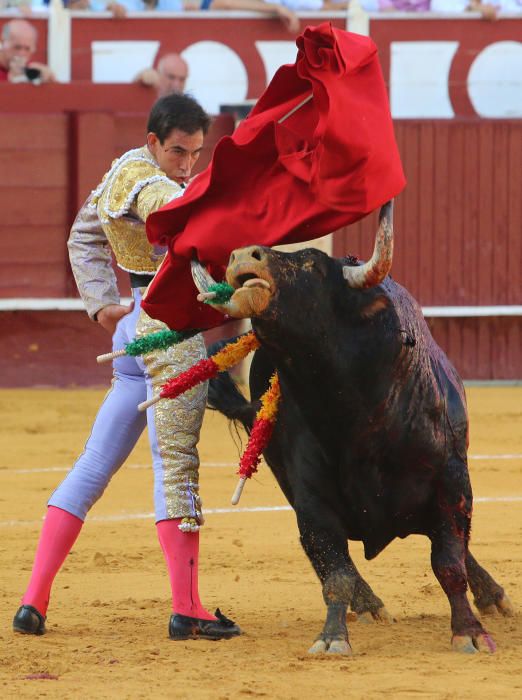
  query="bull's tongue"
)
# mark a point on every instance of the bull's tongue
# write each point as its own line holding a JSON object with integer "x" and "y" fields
{"x": 256, "y": 282}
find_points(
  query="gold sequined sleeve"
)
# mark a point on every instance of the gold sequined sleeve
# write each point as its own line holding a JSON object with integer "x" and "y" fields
{"x": 91, "y": 261}
{"x": 154, "y": 196}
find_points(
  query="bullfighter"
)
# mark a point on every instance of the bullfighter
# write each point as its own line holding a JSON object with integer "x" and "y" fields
{"x": 138, "y": 183}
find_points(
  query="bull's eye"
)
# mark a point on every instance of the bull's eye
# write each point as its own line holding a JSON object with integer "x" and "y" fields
{"x": 256, "y": 254}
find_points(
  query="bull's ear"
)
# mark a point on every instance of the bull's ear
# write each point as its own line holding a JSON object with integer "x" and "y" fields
{"x": 322, "y": 266}
{"x": 379, "y": 303}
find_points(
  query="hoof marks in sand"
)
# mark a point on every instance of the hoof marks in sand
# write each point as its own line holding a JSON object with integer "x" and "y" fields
{"x": 466, "y": 644}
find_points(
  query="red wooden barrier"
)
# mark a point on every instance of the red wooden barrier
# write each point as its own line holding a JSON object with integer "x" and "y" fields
{"x": 457, "y": 224}
{"x": 49, "y": 162}
{"x": 458, "y": 235}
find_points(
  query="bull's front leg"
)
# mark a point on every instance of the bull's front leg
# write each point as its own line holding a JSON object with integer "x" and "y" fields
{"x": 327, "y": 550}
{"x": 449, "y": 539}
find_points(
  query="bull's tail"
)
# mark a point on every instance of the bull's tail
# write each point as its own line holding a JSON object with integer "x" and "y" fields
{"x": 225, "y": 397}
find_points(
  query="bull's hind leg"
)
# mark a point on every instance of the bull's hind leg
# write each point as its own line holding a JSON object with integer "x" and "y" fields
{"x": 327, "y": 550}
{"x": 449, "y": 540}
{"x": 489, "y": 597}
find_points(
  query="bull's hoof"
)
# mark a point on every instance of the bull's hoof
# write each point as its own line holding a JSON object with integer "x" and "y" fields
{"x": 331, "y": 646}
{"x": 499, "y": 607}
{"x": 380, "y": 615}
{"x": 466, "y": 644}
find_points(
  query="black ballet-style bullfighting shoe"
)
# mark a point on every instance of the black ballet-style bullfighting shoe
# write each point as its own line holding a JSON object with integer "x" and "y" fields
{"x": 183, "y": 627}
{"x": 28, "y": 621}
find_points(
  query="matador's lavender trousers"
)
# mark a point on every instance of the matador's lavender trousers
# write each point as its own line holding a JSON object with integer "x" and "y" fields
{"x": 173, "y": 426}
{"x": 173, "y": 430}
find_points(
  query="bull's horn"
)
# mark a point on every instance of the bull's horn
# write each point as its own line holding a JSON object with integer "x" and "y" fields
{"x": 375, "y": 270}
{"x": 202, "y": 278}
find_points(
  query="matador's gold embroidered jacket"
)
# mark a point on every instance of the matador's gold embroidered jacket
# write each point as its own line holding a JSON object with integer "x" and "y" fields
{"x": 114, "y": 217}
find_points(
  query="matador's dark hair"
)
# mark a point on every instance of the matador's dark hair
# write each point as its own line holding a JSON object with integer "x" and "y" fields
{"x": 177, "y": 111}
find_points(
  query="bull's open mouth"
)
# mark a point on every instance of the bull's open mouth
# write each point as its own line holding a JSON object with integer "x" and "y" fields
{"x": 253, "y": 289}
{"x": 248, "y": 279}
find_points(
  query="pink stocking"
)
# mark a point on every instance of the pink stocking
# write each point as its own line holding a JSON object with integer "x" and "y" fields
{"x": 59, "y": 533}
{"x": 181, "y": 550}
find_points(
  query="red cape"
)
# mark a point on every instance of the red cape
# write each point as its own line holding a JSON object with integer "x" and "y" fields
{"x": 330, "y": 163}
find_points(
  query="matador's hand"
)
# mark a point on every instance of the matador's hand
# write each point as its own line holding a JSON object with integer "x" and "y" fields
{"x": 109, "y": 316}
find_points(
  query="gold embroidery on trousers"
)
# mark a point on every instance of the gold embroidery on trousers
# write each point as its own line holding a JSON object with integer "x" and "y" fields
{"x": 177, "y": 421}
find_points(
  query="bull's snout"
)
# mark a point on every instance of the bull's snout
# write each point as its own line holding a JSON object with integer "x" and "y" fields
{"x": 251, "y": 255}
{"x": 248, "y": 272}
{"x": 248, "y": 266}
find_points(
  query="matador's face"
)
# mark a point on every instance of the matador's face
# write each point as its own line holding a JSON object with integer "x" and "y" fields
{"x": 178, "y": 153}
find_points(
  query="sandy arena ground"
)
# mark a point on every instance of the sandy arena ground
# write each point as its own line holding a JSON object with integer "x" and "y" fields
{"x": 107, "y": 624}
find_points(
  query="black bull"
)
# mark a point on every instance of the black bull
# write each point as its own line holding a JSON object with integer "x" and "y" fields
{"x": 371, "y": 437}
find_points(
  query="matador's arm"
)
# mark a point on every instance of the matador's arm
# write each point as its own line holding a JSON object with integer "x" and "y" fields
{"x": 91, "y": 261}
{"x": 154, "y": 196}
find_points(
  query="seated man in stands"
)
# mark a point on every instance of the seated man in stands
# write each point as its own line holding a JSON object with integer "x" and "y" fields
{"x": 18, "y": 45}
{"x": 170, "y": 76}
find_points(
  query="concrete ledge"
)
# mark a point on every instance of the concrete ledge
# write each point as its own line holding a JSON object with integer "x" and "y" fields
{"x": 56, "y": 304}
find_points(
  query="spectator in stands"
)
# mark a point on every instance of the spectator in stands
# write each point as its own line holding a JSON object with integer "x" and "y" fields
{"x": 278, "y": 8}
{"x": 314, "y": 5}
{"x": 119, "y": 8}
{"x": 115, "y": 8}
{"x": 488, "y": 10}
{"x": 511, "y": 6}
{"x": 395, "y": 5}
{"x": 335, "y": 5}
{"x": 170, "y": 76}
{"x": 18, "y": 45}
{"x": 22, "y": 7}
